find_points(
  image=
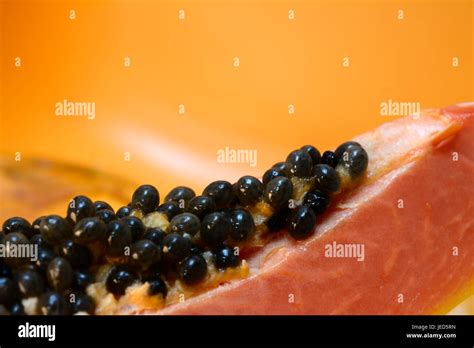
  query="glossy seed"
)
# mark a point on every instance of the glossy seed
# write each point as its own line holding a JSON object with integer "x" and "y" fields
{"x": 137, "y": 228}
{"x": 344, "y": 147}
{"x": 185, "y": 223}
{"x": 123, "y": 212}
{"x": 89, "y": 230}
{"x": 193, "y": 269}
{"x": 101, "y": 205}
{"x": 278, "y": 191}
{"x": 80, "y": 207}
{"x": 83, "y": 303}
{"x": 180, "y": 195}
{"x": 36, "y": 224}
{"x": 106, "y": 215}
{"x": 81, "y": 279}
{"x": 329, "y": 158}
{"x": 201, "y": 206}
{"x": 215, "y": 228}
{"x": 119, "y": 237}
{"x": 225, "y": 257}
{"x": 299, "y": 164}
{"x": 18, "y": 224}
{"x": 52, "y": 303}
{"x": 12, "y": 243}
{"x": 59, "y": 274}
{"x": 37, "y": 239}
{"x": 280, "y": 166}
{"x": 170, "y": 209}
{"x": 54, "y": 229}
{"x": 242, "y": 224}
{"x": 326, "y": 178}
{"x": 45, "y": 256}
{"x": 355, "y": 160}
{"x": 302, "y": 222}
{"x": 29, "y": 283}
{"x": 271, "y": 174}
{"x": 196, "y": 249}
{"x": 155, "y": 234}
{"x": 175, "y": 248}
{"x": 144, "y": 253}
{"x": 145, "y": 198}
{"x": 313, "y": 152}
{"x": 248, "y": 190}
{"x": 17, "y": 309}
{"x": 119, "y": 279}
{"x": 221, "y": 191}
{"x": 317, "y": 200}
{"x": 157, "y": 286}
{"x": 79, "y": 256}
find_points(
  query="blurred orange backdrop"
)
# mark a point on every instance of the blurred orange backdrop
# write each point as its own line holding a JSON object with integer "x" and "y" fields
{"x": 182, "y": 55}
{"x": 162, "y": 118}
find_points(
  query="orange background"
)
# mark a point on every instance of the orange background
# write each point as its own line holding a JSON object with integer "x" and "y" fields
{"x": 190, "y": 62}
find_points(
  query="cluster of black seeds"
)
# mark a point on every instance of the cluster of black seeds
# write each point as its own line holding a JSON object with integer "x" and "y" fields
{"x": 323, "y": 172}
{"x": 92, "y": 234}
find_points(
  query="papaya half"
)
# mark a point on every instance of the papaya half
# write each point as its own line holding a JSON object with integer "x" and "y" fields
{"x": 399, "y": 240}
{"x": 414, "y": 215}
